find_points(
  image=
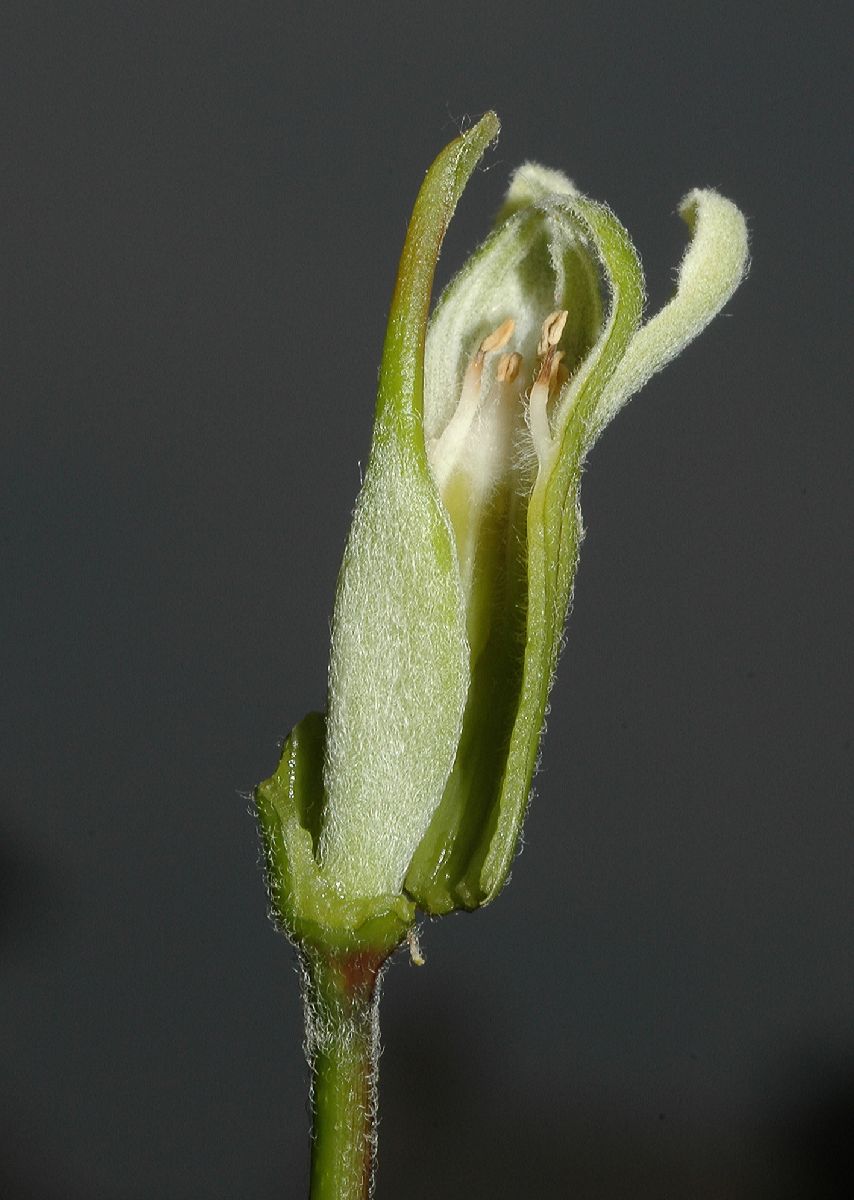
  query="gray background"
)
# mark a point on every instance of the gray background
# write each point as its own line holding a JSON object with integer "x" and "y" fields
{"x": 202, "y": 209}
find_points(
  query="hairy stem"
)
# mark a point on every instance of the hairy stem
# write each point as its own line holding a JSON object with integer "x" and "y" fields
{"x": 341, "y": 996}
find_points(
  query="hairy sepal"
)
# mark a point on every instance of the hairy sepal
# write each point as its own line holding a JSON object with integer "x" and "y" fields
{"x": 305, "y": 905}
{"x": 399, "y": 665}
{"x": 465, "y": 856}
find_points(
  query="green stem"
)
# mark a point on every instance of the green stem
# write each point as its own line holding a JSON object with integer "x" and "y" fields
{"x": 342, "y": 1026}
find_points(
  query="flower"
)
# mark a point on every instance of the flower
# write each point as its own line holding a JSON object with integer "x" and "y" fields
{"x": 458, "y": 570}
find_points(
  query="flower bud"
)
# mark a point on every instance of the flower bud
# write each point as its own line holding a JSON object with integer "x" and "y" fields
{"x": 458, "y": 570}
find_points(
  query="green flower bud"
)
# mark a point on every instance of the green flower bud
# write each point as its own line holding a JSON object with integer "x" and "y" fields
{"x": 458, "y": 570}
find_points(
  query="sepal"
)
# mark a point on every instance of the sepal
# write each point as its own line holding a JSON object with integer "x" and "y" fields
{"x": 399, "y": 663}
{"x": 305, "y": 905}
{"x": 464, "y": 859}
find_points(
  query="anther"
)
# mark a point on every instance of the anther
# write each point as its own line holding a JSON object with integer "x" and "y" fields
{"x": 552, "y": 330}
{"x": 508, "y": 367}
{"x": 499, "y": 337}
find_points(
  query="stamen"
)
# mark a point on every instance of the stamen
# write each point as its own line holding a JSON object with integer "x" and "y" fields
{"x": 553, "y": 328}
{"x": 548, "y": 375}
{"x": 538, "y": 416}
{"x": 499, "y": 337}
{"x": 555, "y": 361}
{"x": 561, "y": 377}
{"x": 448, "y": 447}
{"x": 508, "y": 367}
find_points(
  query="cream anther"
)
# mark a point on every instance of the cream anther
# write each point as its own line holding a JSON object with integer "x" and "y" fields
{"x": 552, "y": 331}
{"x": 499, "y": 337}
{"x": 508, "y": 367}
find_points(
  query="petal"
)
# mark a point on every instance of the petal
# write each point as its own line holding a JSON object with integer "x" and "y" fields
{"x": 531, "y": 183}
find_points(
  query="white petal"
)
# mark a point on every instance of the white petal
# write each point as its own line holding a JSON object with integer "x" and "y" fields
{"x": 531, "y": 183}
